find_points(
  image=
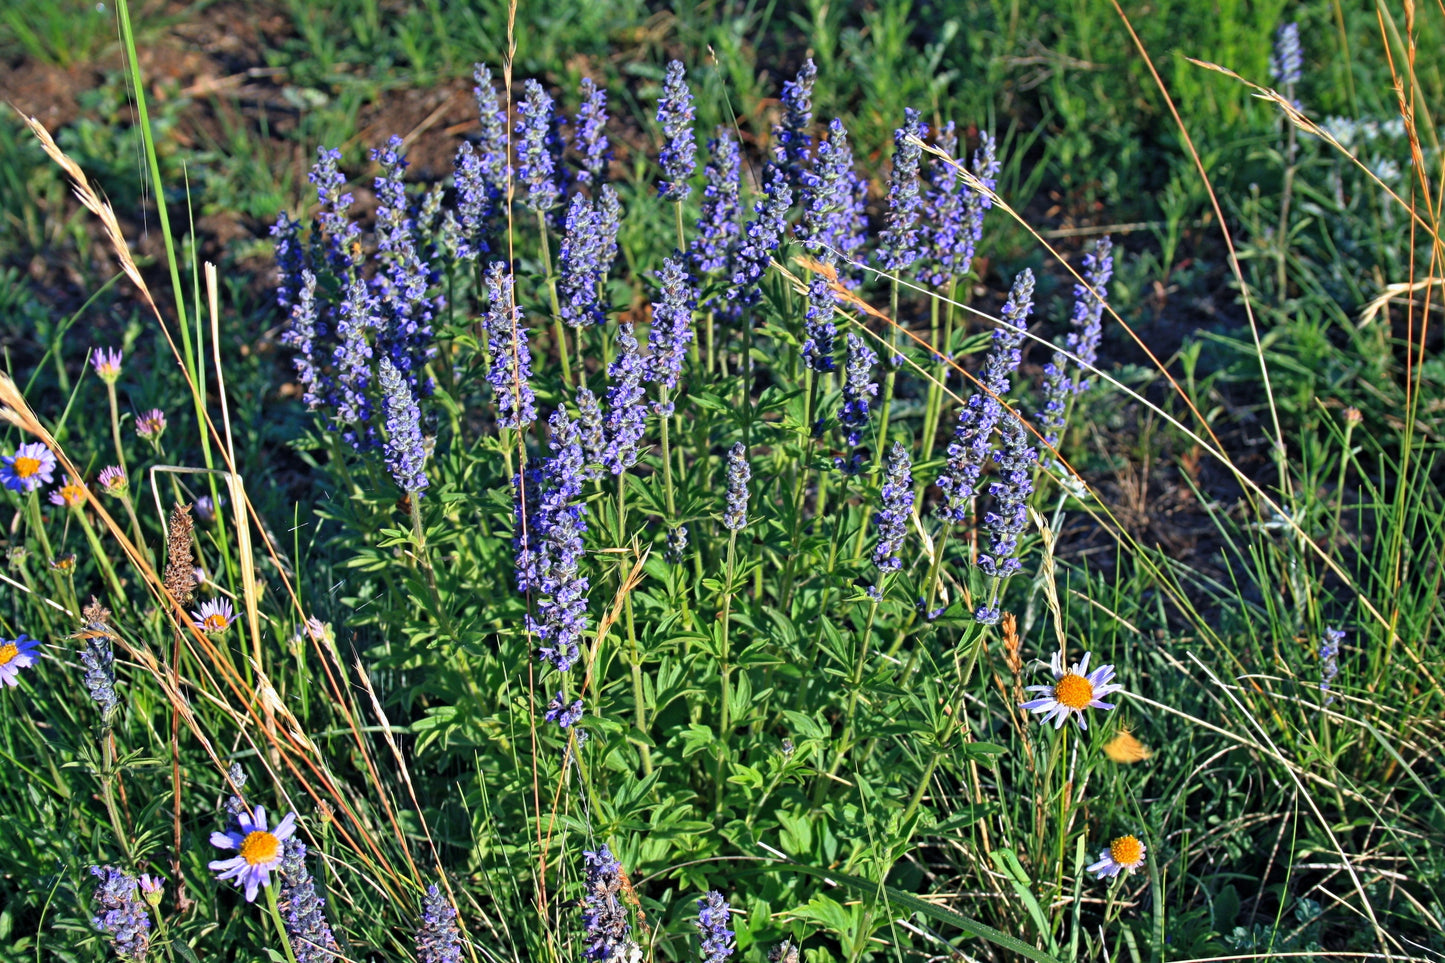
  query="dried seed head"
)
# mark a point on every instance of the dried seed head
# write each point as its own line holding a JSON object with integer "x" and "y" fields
{"x": 180, "y": 566}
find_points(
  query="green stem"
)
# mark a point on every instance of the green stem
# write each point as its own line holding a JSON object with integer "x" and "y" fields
{"x": 560, "y": 332}
{"x": 665, "y": 420}
{"x": 115, "y": 427}
{"x": 279, "y": 922}
{"x": 725, "y": 671}
{"x": 101, "y": 557}
{"x": 424, "y": 560}
{"x": 107, "y": 792}
{"x": 890, "y": 348}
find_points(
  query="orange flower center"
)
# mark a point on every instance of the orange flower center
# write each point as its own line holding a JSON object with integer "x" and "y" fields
{"x": 73, "y": 494}
{"x": 25, "y": 466}
{"x": 215, "y": 622}
{"x": 1074, "y": 691}
{"x": 8, "y": 652}
{"x": 260, "y": 847}
{"x": 1127, "y": 851}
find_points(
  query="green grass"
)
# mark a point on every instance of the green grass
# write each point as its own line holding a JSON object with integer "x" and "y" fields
{"x": 854, "y": 777}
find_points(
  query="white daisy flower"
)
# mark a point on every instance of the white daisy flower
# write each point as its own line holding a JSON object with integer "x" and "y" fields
{"x": 1073, "y": 691}
{"x": 1124, "y": 855}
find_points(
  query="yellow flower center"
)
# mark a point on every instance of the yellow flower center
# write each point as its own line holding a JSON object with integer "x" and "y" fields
{"x": 72, "y": 494}
{"x": 25, "y": 466}
{"x": 1127, "y": 851}
{"x": 8, "y": 652}
{"x": 215, "y": 622}
{"x": 1074, "y": 691}
{"x": 260, "y": 847}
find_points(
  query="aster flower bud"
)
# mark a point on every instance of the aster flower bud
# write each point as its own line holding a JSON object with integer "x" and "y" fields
{"x": 106, "y": 362}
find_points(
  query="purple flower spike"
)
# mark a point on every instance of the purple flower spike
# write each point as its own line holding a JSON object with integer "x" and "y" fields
{"x": 671, "y": 326}
{"x": 821, "y": 333}
{"x": 763, "y": 235}
{"x": 403, "y": 447}
{"x": 713, "y": 916}
{"x": 536, "y": 157}
{"x": 790, "y": 138}
{"x": 438, "y": 940}
{"x": 580, "y": 268}
{"x": 591, "y": 133}
{"x": 123, "y": 916}
{"x": 675, "y": 113}
{"x": 972, "y": 443}
{"x": 735, "y": 519}
{"x": 603, "y": 916}
{"x": 891, "y": 520}
{"x": 564, "y": 714}
{"x": 859, "y": 389}
{"x": 258, "y": 849}
{"x": 834, "y": 203}
{"x": 718, "y": 228}
{"x": 511, "y": 370}
{"x": 626, "y": 420}
{"x": 898, "y": 244}
{"x": 303, "y": 910}
{"x": 557, "y": 526}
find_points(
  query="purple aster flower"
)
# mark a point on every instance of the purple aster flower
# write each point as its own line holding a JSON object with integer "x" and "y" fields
{"x": 713, "y": 916}
{"x": 675, "y": 114}
{"x": 438, "y": 939}
{"x": 603, "y": 917}
{"x": 626, "y": 420}
{"x": 834, "y": 203}
{"x": 29, "y": 468}
{"x": 123, "y": 915}
{"x": 511, "y": 368}
{"x": 303, "y": 910}
{"x": 1330, "y": 646}
{"x": 898, "y": 244}
{"x": 482, "y": 172}
{"x": 735, "y": 518}
{"x": 16, "y": 654}
{"x": 891, "y": 519}
{"x": 562, "y": 713}
{"x": 1286, "y": 63}
{"x": 761, "y": 238}
{"x": 557, "y": 527}
{"x": 258, "y": 850}
{"x": 972, "y": 442}
{"x": 70, "y": 495}
{"x": 403, "y": 446}
{"x": 790, "y": 138}
{"x": 1074, "y": 689}
{"x": 859, "y": 389}
{"x": 536, "y": 157}
{"x": 591, "y": 133}
{"x": 820, "y": 332}
{"x": 580, "y": 269}
{"x": 206, "y": 509}
{"x": 148, "y": 427}
{"x": 106, "y": 362}
{"x": 214, "y": 615}
{"x": 112, "y": 481}
{"x": 718, "y": 226}
{"x": 671, "y": 326}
